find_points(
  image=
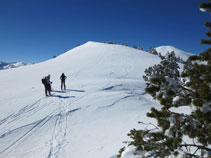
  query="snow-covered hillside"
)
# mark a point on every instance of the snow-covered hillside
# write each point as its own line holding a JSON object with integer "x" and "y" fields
{"x": 104, "y": 100}
{"x": 179, "y": 53}
{"x": 4, "y": 65}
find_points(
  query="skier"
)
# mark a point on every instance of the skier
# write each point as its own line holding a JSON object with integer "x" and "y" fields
{"x": 63, "y": 78}
{"x": 47, "y": 83}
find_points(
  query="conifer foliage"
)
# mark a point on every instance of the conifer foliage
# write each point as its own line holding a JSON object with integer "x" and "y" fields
{"x": 174, "y": 90}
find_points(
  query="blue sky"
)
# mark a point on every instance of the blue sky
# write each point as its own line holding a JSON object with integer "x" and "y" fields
{"x": 37, "y": 30}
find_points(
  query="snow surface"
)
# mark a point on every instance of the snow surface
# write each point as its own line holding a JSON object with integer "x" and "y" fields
{"x": 202, "y": 9}
{"x": 104, "y": 100}
{"x": 179, "y": 53}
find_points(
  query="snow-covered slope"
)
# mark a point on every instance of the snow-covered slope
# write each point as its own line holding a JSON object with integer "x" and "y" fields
{"x": 104, "y": 100}
{"x": 4, "y": 65}
{"x": 179, "y": 53}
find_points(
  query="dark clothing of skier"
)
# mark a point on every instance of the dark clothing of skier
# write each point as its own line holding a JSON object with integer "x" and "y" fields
{"x": 63, "y": 78}
{"x": 47, "y": 84}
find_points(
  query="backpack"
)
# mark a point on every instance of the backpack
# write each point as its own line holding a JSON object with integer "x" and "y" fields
{"x": 43, "y": 81}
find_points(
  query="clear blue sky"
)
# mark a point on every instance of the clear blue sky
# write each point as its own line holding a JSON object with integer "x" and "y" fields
{"x": 37, "y": 30}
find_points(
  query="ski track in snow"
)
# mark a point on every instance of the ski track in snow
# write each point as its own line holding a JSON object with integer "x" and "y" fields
{"x": 35, "y": 126}
{"x": 8, "y": 125}
{"x": 9, "y": 122}
{"x": 60, "y": 129}
{"x": 60, "y": 114}
{"x": 58, "y": 140}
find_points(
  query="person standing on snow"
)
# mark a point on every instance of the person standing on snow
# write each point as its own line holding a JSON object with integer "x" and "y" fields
{"x": 47, "y": 83}
{"x": 63, "y": 78}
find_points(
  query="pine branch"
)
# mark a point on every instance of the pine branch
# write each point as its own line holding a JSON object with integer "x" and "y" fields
{"x": 197, "y": 146}
{"x": 205, "y": 41}
{"x": 156, "y": 127}
{"x": 191, "y": 155}
{"x": 195, "y": 151}
{"x": 205, "y": 5}
{"x": 208, "y": 34}
{"x": 186, "y": 89}
{"x": 208, "y": 24}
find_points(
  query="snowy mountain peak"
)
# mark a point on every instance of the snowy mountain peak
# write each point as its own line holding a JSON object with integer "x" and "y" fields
{"x": 1, "y": 62}
{"x": 4, "y": 65}
{"x": 92, "y": 42}
{"x": 179, "y": 53}
{"x": 94, "y": 60}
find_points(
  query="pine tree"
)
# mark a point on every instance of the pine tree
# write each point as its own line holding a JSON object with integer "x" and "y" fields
{"x": 134, "y": 46}
{"x": 205, "y": 6}
{"x": 190, "y": 88}
{"x": 153, "y": 51}
{"x": 124, "y": 44}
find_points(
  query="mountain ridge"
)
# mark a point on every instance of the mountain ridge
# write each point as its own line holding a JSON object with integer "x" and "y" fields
{"x": 179, "y": 53}
{"x": 5, "y": 65}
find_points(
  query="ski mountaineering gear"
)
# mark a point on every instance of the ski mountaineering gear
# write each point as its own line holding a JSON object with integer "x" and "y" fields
{"x": 47, "y": 84}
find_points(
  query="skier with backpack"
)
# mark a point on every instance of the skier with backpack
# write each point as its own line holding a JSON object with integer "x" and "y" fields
{"x": 47, "y": 84}
{"x": 63, "y": 78}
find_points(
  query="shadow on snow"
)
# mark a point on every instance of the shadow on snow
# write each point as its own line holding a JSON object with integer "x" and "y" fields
{"x": 68, "y": 90}
{"x": 63, "y": 97}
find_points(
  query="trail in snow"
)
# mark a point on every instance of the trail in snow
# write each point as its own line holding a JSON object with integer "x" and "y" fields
{"x": 60, "y": 129}
{"x": 13, "y": 123}
{"x": 60, "y": 114}
{"x": 35, "y": 126}
{"x": 63, "y": 103}
{"x": 58, "y": 140}
{"x": 12, "y": 120}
